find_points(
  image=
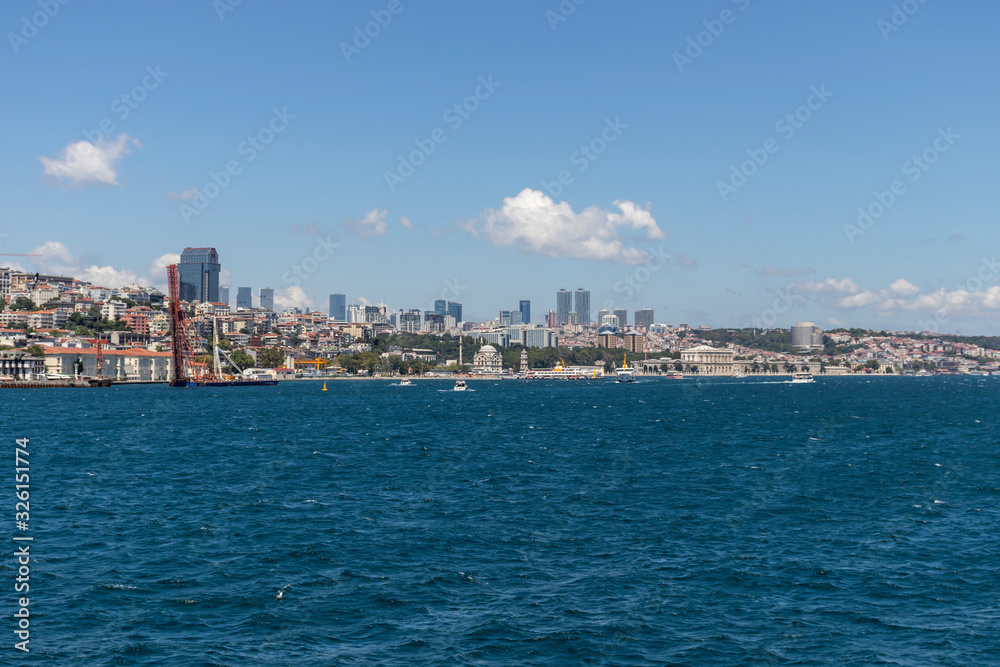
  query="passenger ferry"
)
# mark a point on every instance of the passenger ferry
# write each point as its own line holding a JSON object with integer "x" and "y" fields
{"x": 802, "y": 377}
{"x": 625, "y": 373}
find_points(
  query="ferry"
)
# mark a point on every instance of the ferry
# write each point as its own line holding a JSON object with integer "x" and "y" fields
{"x": 563, "y": 372}
{"x": 802, "y": 378}
{"x": 674, "y": 375}
{"x": 625, "y": 373}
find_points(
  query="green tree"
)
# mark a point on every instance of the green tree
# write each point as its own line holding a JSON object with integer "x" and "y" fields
{"x": 35, "y": 350}
{"x": 23, "y": 303}
{"x": 241, "y": 359}
{"x": 271, "y": 357}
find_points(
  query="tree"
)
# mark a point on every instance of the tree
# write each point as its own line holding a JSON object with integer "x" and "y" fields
{"x": 35, "y": 350}
{"x": 23, "y": 303}
{"x": 241, "y": 359}
{"x": 271, "y": 357}
{"x": 678, "y": 367}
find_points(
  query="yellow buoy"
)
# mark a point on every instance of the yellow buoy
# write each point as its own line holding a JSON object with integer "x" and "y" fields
{"x": 324, "y": 386}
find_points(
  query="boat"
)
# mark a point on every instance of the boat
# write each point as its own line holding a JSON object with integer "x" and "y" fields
{"x": 404, "y": 382}
{"x": 625, "y": 373}
{"x": 459, "y": 385}
{"x": 802, "y": 377}
{"x": 739, "y": 374}
{"x": 674, "y": 375}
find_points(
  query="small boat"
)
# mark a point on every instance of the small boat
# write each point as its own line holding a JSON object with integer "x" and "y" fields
{"x": 405, "y": 382}
{"x": 625, "y": 373}
{"x": 674, "y": 375}
{"x": 802, "y": 377}
{"x": 459, "y": 385}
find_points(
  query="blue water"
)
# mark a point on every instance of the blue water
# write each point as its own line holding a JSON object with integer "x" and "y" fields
{"x": 724, "y": 522}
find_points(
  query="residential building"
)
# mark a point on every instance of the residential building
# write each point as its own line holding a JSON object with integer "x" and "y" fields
{"x": 564, "y": 304}
{"x": 409, "y": 322}
{"x": 582, "y": 306}
{"x": 20, "y": 365}
{"x": 338, "y": 307}
{"x": 644, "y": 318}
{"x": 635, "y": 342}
{"x": 267, "y": 298}
{"x": 552, "y": 319}
{"x": 199, "y": 270}
{"x": 4, "y": 284}
{"x": 244, "y": 298}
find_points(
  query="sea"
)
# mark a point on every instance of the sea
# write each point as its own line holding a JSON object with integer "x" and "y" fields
{"x": 725, "y": 521}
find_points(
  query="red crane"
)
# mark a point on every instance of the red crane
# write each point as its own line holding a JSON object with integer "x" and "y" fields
{"x": 182, "y": 350}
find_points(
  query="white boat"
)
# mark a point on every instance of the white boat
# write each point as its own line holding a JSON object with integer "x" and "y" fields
{"x": 802, "y": 377}
{"x": 625, "y": 373}
{"x": 459, "y": 385}
{"x": 405, "y": 382}
{"x": 674, "y": 375}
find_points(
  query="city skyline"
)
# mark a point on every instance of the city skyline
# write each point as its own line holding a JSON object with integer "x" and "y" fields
{"x": 844, "y": 191}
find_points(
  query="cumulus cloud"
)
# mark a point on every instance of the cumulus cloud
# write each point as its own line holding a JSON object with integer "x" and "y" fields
{"x": 56, "y": 259}
{"x": 292, "y": 297}
{"x": 182, "y": 196}
{"x": 975, "y": 298}
{"x": 84, "y": 163}
{"x": 158, "y": 269}
{"x": 373, "y": 224}
{"x": 538, "y": 225}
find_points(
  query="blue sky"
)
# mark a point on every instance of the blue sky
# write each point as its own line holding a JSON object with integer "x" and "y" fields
{"x": 640, "y": 223}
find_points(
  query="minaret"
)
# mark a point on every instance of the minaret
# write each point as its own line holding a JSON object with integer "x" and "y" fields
{"x": 460, "y": 350}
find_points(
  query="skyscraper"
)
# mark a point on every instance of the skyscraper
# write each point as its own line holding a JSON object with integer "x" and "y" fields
{"x": 525, "y": 307}
{"x": 338, "y": 307}
{"x": 224, "y": 295}
{"x": 267, "y": 298}
{"x": 622, "y": 315}
{"x": 564, "y": 304}
{"x": 582, "y": 306}
{"x": 455, "y": 310}
{"x": 199, "y": 274}
{"x": 440, "y": 306}
{"x": 551, "y": 320}
{"x": 644, "y": 318}
{"x": 244, "y": 298}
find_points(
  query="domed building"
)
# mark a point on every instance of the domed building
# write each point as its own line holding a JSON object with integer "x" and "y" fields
{"x": 487, "y": 361}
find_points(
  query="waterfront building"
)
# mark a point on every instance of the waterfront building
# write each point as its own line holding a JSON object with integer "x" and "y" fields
{"x": 644, "y": 318}
{"x": 198, "y": 271}
{"x": 20, "y": 365}
{"x": 622, "y": 317}
{"x": 582, "y": 303}
{"x": 708, "y": 360}
{"x": 338, "y": 307}
{"x": 267, "y": 298}
{"x": 244, "y": 299}
{"x": 564, "y": 304}
{"x": 525, "y": 307}
{"x": 136, "y": 364}
{"x": 487, "y": 361}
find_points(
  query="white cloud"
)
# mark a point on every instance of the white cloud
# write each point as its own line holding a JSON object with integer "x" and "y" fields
{"x": 974, "y": 299}
{"x": 83, "y": 163}
{"x": 536, "y": 224}
{"x": 56, "y": 259}
{"x": 182, "y": 196}
{"x": 373, "y": 224}
{"x": 291, "y": 297}
{"x": 403, "y": 220}
{"x": 158, "y": 269}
